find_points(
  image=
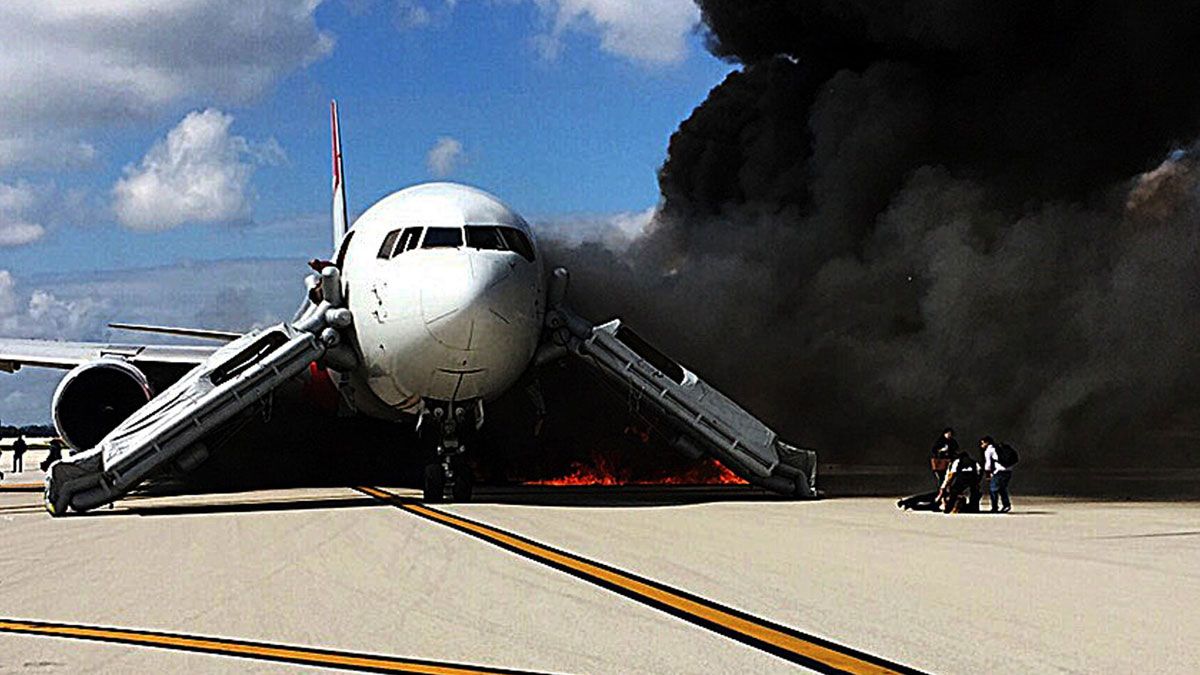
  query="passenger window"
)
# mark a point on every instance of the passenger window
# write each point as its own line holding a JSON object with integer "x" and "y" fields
{"x": 408, "y": 240}
{"x": 518, "y": 241}
{"x": 442, "y": 237}
{"x": 485, "y": 237}
{"x": 385, "y": 250}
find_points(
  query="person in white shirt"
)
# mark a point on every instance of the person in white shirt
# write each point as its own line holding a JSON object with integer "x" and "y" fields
{"x": 960, "y": 489}
{"x": 998, "y": 474}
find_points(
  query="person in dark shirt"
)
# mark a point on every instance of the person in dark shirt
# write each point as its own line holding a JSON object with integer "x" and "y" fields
{"x": 945, "y": 450}
{"x": 56, "y": 448}
{"x": 19, "y": 448}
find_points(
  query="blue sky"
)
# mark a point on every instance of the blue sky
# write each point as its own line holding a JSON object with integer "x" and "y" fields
{"x": 548, "y": 115}
{"x": 167, "y": 161}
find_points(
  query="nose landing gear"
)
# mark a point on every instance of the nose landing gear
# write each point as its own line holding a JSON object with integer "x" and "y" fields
{"x": 448, "y": 477}
{"x": 449, "y": 480}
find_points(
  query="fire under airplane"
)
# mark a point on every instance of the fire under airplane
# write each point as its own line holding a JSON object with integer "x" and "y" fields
{"x": 435, "y": 303}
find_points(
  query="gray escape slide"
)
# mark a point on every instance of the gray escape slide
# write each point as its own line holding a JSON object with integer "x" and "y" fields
{"x": 702, "y": 420}
{"x": 705, "y": 418}
{"x": 174, "y": 424}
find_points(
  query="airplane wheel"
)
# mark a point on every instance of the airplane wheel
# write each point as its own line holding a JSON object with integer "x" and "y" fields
{"x": 463, "y": 482}
{"x": 435, "y": 483}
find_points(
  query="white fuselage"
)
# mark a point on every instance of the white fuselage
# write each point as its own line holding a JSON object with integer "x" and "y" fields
{"x": 447, "y": 291}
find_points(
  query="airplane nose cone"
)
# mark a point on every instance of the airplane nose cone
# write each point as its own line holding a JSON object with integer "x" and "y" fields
{"x": 459, "y": 294}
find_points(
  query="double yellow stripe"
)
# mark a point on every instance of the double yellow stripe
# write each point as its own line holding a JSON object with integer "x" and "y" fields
{"x": 253, "y": 650}
{"x": 806, "y": 650}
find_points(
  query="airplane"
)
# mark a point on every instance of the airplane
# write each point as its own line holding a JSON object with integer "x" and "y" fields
{"x": 435, "y": 302}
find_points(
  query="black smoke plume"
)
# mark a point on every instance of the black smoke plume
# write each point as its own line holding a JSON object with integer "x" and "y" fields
{"x": 900, "y": 215}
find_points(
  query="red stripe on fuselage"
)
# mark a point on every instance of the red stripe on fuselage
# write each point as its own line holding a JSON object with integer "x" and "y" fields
{"x": 337, "y": 145}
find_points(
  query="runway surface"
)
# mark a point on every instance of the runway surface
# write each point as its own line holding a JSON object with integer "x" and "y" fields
{"x": 592, "y": 580}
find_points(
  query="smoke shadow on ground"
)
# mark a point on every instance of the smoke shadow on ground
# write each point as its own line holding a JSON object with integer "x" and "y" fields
{"x": 252, "y": 506}
{"x": 622, "y": 496}
{"x": 587, "y": 496}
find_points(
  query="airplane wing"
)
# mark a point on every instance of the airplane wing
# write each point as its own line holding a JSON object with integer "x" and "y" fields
{"x": 702, "y": 421}
{"x": 199, "y": 333}
{"x": 15, "y": 353}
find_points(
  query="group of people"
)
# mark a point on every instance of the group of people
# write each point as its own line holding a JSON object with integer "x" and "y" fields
{"x": 20, "y": 447}
{"x": 959, "y": 477}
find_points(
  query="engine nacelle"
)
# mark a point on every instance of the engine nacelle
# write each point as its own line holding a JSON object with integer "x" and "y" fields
{"x": 95, "y": 397}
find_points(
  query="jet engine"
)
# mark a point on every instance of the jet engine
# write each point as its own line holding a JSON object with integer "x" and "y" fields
{"x": 95, "y": 397}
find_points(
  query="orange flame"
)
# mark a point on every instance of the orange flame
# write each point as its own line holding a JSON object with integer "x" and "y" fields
{"x": 602, "y": 472}
{"x": 708, "y": 472}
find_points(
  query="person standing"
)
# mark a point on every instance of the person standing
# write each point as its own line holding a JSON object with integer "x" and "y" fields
{"x": 19, "y": 448}
{"x": 945, "y": 449}
{"x": 998, "y": 474}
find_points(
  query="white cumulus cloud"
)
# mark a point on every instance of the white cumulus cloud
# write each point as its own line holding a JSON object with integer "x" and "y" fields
{"x": 8, "y": 296}
{"x": 652, "y": 32}
{"x": 17, "y": 203}
{"x": 19, "y": 233}
{"x": 48, "y": 150}
{"x": 411, "y": 14}
{"x": 41, "y": 314}
{"x": 445, "y": 156}
{"x": 649, "y": 32}
{"x": 71, "y": 66}
{"x": 614, "y": 231}
{"x": 199, "y": 173}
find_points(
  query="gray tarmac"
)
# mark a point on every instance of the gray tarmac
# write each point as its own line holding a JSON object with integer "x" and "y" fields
{"x": 1056, "y": 586}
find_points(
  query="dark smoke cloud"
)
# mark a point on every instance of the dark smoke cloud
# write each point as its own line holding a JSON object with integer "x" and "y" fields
{"x": 897, "y": 215}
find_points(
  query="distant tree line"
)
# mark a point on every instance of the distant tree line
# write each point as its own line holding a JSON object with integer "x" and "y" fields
{"x": 33, "y": 430}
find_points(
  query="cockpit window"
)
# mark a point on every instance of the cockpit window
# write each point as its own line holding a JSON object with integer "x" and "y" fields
{"x": 408, "y": 240}
{"x": 518, "y": 241}
{"x": 442, "y": 237}
{"x": 385, "y": 249}
{"x": 499, "y": 238}
{"x": 398, "y": 241}
{"x": 485, "y": 237}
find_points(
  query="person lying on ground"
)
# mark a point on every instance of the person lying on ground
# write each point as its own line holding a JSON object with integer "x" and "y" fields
{"x": 926, "y": 501}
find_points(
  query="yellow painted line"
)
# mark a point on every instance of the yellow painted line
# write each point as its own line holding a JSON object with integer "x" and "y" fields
{"x": 806, "y": 650}
{"x": 23, "y": 508}
{"x": 238, "y": 648}
{"x": 21, "y": 487}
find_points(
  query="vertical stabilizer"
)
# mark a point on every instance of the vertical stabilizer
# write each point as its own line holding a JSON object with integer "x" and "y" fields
{"x": 339, "y": 182}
